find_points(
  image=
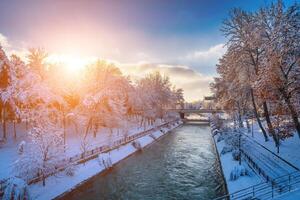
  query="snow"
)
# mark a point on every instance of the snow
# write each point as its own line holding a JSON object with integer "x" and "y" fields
{"x": 272, "y": 165}
{"x": 16, "y": 189}
{"x": 61, "y": 183}
{"x": 228, "y": 165}
{"x": 9, "y": 151}
{"x": 287, "y": 147}
{"x": 290, "y": 196}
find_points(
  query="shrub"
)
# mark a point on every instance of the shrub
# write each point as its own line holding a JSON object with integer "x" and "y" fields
{"x": 238, "y": 171}
{"x": 235, "y": 154}
{"x": 70, "y": 170}
{"x": 16, "y": 188}
{"x": 226, "y": 149}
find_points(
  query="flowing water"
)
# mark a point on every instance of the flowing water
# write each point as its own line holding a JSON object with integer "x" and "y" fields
{"x": 181, "y": 165}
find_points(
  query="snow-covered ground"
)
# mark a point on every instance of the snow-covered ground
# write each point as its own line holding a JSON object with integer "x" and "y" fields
{"x": 294, "y": 195}
{"x": 288, "y": 148}
{"x": 60, "y": 183}
{"x": 274, "y": 165}
{"x": 228, "y": 164}
{"x": 9, "y": 150}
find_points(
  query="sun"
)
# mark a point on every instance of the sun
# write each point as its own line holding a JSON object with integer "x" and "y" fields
{"x": 73, "y": 63}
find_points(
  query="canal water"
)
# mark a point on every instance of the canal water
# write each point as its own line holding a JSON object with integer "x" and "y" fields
{"x": 181, "y": 165}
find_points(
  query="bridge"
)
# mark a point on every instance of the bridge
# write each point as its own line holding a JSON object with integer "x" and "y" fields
{"x": 184, "y": 112}
{"x": 197, "y": 111}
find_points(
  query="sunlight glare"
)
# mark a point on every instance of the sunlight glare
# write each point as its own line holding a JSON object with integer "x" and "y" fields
{"x": 72, "y": 63}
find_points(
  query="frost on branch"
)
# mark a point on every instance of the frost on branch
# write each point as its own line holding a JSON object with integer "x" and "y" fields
{"x": 16, "y": 188}
{"x": 43, "y": 154}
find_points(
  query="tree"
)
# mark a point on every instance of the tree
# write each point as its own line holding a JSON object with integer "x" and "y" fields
{"x": 281, "y": 39}
{"x": 5, "y": 80}
{"x": 36, "y": 60}
{"x": 44, "y": 153}
{"x": 107, "y": 91}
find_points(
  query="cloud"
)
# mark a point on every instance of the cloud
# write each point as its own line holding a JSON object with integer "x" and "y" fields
{"x": 204, "y": 60}
{"x": 4, "y": 41}
{"x": 195, "y": 84}
{"x": 12, "y": 48}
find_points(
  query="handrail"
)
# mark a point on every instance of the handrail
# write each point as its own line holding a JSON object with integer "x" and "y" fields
{"x": 272, "y": 188}
{"x": 91, "y": 153}
{"x": 287, "y": 162}
{"x": 269, "y": 188}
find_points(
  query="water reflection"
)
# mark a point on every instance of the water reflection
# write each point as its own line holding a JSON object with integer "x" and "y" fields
{"x": 181, "y": 165}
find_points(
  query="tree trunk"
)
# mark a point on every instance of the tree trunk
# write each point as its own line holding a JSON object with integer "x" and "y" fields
{"x": 26, "y": 124}
{"x": 15, "y": 132}
{"x": 248, "y": 125}
{"x": 240, "y": 116}
{"x": 269, "y": 123}
{"x": 257, "y": 117}
{"x": 4, "y": 121}
{"x": 95, "y": 129}
{"x": 292, "y": 111}
{"x": 234, "y": 121}
{"x": 64, "y": 125}
{"x": 88, "y": 127}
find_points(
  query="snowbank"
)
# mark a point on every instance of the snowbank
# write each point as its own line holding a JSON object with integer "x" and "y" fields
{"x": 61, "y": 183}
{"x": 228, "y": 164}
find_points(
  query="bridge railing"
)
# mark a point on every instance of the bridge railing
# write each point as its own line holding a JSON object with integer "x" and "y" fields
{"x": 197, "y": 110}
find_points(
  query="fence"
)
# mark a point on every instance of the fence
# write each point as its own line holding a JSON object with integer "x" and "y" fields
{"x": 268, "y": 189}
{"x": 88, "y": 155}
{"x": 272, "y": 187}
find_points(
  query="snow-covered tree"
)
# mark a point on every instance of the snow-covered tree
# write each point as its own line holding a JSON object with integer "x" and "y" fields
{"x": 43, "y": 154}
{"x": 16, "y": 188}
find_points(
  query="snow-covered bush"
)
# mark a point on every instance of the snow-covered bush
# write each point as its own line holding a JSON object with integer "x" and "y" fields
{"x": 105, "y": 160}
{"x": 43, "y": 154}
{"x": 235, "y": 154}
{"x": 226, "y": 149}
{"x": 16, "y": 189}
{"x": 137, "y": 145}
{"x": 21, "y": 147}
{"x": 217, "y": 122}
{"x": 232, "y": 139}
{"x": 238, "y": 171}
{"x": 70, "y": 170}
{"x": 220, "y": 138}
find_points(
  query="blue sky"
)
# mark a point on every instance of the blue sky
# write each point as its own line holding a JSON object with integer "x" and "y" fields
{"x": 164, "y": 34}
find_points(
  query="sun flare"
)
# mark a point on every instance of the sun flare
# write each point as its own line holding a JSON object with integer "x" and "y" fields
{"x": 73, "y": 63}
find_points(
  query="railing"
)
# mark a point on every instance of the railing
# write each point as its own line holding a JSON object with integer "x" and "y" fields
{"x": 268, "y": 189}
{"x": 272, "y": 187}
{"x": 275, "y": 155}
{"x": 88, "y": 155}
{"x": 197, "y": 110}
{"x": 255, "y": 166}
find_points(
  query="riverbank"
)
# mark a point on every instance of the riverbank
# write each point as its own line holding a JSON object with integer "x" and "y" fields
{"x": 228, "y": 164}
{"x": 61, "y": 183}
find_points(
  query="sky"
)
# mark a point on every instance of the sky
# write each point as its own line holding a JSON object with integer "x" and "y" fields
{"x": 181, "y": 39}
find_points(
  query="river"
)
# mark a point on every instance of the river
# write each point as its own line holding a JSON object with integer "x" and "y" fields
{"x": 181, "y": 165}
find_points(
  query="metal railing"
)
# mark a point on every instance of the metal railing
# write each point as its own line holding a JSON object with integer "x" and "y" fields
{"x": 90, "y": 154}
{"x": 267, "y": 189}
{"x": 272, "y": 187}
